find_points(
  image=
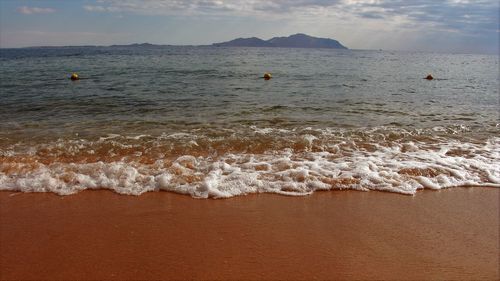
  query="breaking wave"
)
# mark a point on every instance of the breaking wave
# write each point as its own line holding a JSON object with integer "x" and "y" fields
{"x": 227, "y": 163}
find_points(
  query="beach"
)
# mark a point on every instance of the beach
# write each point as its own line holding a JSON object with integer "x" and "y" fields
{"x": 173, "y": 140}
{"x": 181, "y": 162}
{"x": 445, "y": 234}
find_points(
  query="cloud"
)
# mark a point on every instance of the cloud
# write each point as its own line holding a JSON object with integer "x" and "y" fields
{"x": 463, "y": 16}
{"x": 25, "y": 10}
{"x": 453, "y": 11}
{"x": 234, "y": 7}
{"x": 451, "y": 15}
{"x": 111, "y": 9}
{"x": 445, "y": 16}
{"x": 24, "y": 38}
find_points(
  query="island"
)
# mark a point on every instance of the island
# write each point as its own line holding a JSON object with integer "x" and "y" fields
{"x": 298, "y": 40}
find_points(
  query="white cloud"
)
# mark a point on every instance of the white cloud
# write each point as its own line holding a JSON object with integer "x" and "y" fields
{"x": 25, "y": 10}
{"x": 192, "y": 7}
{"x": 25, "y": 38}
{"x": 147, "y": 7}
{"x": 110, "y": 9}
{"x": 450, "y": 14}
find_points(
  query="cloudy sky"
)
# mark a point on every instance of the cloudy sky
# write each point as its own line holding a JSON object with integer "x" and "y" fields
{"x": 422, "y": 25}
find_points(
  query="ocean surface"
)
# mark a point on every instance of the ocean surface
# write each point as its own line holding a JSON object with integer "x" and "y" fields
{"x": 200, "y": 120}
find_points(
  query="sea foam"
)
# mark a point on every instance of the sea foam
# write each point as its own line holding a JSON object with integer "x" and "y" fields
{"x": 402, "y": 166}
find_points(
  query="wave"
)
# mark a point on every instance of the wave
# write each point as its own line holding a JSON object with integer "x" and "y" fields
{"x": 224, "y": 163}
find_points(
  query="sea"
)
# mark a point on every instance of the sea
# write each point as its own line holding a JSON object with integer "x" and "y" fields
{"x": 201, "y": 121}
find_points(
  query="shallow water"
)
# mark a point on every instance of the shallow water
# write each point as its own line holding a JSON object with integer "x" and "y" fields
{"x": 200, "y": 121}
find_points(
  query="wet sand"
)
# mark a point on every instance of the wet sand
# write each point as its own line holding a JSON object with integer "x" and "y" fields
{"x": 447, "y": 234}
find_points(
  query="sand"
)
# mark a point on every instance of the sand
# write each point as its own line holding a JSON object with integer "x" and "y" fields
{"x": 447, "y": 234}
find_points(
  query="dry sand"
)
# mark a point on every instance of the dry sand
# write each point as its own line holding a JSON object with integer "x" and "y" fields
{"x": 448, "y": 234}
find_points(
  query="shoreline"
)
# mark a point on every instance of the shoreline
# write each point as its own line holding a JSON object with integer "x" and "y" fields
{"x": 444, "y": 234}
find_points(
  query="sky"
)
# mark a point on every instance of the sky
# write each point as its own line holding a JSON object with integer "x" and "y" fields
{"x": 457, "y": 26}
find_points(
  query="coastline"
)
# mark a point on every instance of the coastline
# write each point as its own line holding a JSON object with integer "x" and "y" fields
{"x": 445, "y": 234}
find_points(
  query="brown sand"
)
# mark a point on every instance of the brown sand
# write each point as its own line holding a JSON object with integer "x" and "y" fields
{"x": 448, "y": 234}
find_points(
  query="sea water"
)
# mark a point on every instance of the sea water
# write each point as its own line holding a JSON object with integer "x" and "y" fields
{"x": 201, "y": 121}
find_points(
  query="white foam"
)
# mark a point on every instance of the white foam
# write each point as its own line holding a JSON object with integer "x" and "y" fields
{"x": 402, "y": 167}
{"x": 109, "y": 136}
{"x": 137, "y": 137}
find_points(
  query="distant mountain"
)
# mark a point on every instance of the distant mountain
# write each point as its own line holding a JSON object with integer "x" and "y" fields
{"x": 293, "y": 41}
{"x": 137, "y": 45}
{"x": 305, "y": 41}
{"x": 245, "y": 42}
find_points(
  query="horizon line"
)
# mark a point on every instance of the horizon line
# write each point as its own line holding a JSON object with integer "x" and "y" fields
{"x": 212, "y": 45}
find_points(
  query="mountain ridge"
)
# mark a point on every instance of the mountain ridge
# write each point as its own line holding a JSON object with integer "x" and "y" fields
{"x": 298, "y": 40}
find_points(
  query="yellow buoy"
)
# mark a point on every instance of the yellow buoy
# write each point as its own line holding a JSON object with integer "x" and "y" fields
{"x": 267, "y": 76}
{"x": 429, "y": 77}
{"x": 74, "y": 77}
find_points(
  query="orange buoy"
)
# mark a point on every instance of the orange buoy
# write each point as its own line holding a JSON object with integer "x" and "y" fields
{"x": 267, "y": 76}
{"x": 429, "y": 77}
{"x": 74, "y": 77}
